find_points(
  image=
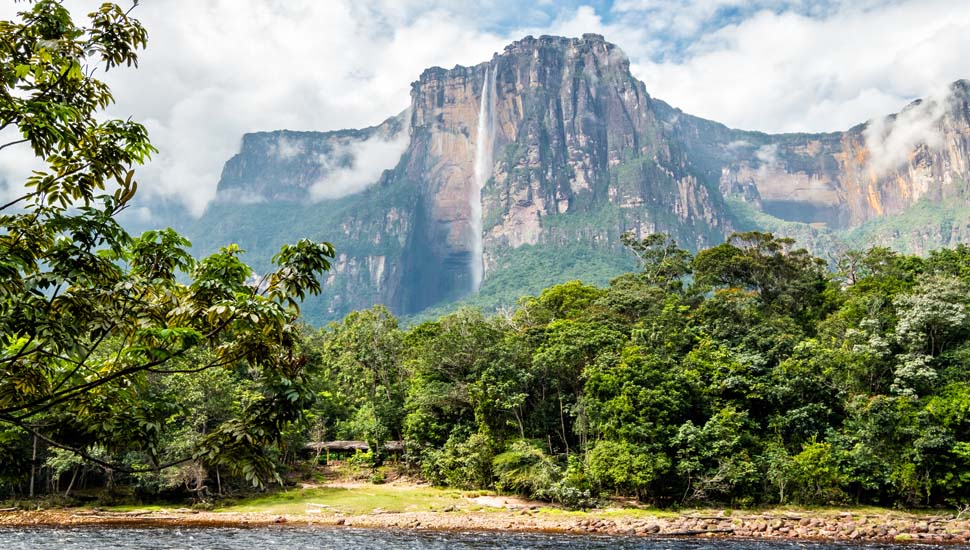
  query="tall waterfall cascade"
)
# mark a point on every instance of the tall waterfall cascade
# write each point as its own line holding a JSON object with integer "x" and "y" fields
{"x": 484, "y": 145}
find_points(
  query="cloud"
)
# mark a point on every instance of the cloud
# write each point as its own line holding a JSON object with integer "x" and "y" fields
{"x": 891, "y": 140}
{"x": 370, "y": 158}
{"x": 793, "y": 71}
{"x": 139, "y": 215}
{"x": 687, "y": 18}
{"x": 767, "y": 154}
{"x": 739, "y": 144}
{"x": 285, "y": 149}
{"x": 242, "y": 196}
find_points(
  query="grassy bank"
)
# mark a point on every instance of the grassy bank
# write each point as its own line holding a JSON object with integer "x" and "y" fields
{"x": 361, "y": 499}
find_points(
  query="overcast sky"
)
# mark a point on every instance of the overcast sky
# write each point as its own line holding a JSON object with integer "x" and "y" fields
{"x": 215, "y": 69}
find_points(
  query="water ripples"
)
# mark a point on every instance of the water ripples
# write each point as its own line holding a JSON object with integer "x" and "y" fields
{"x": 293, "y": 538}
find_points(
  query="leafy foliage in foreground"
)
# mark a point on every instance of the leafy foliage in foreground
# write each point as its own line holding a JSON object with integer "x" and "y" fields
{"x": 106, "y": 358}
{"x": 745, "y": 374}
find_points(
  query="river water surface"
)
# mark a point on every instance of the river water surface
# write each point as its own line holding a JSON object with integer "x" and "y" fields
{"x": 292, "y": 538}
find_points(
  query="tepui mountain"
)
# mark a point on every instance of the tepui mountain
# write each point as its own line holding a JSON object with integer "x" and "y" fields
{"x": 525, "y": 170}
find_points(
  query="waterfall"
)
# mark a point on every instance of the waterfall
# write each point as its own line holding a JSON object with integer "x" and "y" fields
{"x": 484, "y": 142}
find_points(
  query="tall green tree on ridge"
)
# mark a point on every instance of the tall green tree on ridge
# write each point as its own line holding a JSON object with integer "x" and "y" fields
{"x": 92, "y": 318}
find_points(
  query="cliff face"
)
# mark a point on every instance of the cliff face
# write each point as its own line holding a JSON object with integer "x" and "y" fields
{"x": 279, "y": 188}
{"x": 843, "y": 179}
{"x": 935, "y": 170}
{"x": 575, "y": 137}
{"x": 551, "y": 150}
{"x": 285, "y": 166}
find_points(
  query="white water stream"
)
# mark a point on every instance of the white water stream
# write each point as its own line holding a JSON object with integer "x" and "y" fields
{"x": 484, "y": 145}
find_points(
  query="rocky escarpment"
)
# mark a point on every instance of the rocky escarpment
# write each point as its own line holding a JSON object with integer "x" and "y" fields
{"x": 275, "y": 191}
{"x": 574, "y": 138}
{"x": 579, "y": 153}
{"x": 842, "y": 179}
{"x": 285, "y": 166}
{"x": 578, "y": 138}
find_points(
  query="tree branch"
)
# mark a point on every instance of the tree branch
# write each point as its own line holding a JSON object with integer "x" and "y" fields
{"x": 56, "y": 399}
{"x": 84, "y": 454}
{"x": 19, "y": 141}
{"x": 18, "y": 199}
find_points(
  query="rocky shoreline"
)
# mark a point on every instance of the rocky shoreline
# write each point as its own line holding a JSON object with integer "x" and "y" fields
{"x": 821, "y": 526}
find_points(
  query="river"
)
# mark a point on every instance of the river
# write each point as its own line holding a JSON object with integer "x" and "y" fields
{"x": 293, "y": 538}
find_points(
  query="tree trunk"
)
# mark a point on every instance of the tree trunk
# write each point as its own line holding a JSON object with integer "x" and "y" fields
{"x": 33, "y": 467}
{"x": 562, "y": 423}
{"x": 71, "y": 484}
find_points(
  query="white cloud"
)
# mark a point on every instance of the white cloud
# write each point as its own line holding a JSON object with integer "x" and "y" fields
{"x": 241, "y": 197}
{"x": 739, "y": 144}
{"x": 791, "y": 72}
{"x": 286, "y": 149}
{"x": 371, "y": 158}
{"x": 891, "y": 140}
{"x": 678, "y": 17}
{"x": 767, "y": 154}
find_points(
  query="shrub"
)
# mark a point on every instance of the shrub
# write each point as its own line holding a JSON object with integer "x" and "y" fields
{"x": 525, "y": 469}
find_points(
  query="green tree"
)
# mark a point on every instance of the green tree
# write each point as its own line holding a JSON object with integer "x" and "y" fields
{"x": 785, "y": 278}
{"x": 625, "y": 467}
{"x": 664, "y": 264}
{"x": 817, "y": 475}
{"x": 525, "y": 469}
{"x": 569, "y": 300}
{"x": 933, "y": 317}
{"x": 362, "y": 369}
{"x": 715, "y": 457}
{"x": 568, "y": 347}
{"x": 500, "y": 394}
{"x": 636, "y": 396}
{"x": 446, "y": 358}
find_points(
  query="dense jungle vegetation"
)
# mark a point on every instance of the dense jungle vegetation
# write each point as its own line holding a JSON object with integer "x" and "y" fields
{"x": 747, "y": 373}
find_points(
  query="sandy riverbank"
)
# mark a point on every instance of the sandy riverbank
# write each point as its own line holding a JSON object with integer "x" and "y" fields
{"x": 844, "y": 526}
